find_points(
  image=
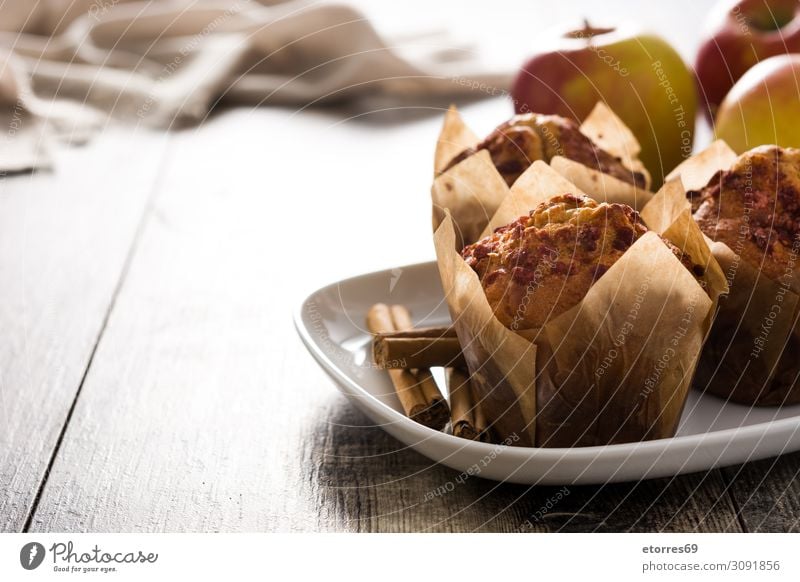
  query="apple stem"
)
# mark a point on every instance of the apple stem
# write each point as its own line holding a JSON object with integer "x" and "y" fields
{"x": 588, "y": 32}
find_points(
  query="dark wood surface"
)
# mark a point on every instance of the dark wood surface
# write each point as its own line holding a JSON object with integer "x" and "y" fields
{"x": 151, "y": 379}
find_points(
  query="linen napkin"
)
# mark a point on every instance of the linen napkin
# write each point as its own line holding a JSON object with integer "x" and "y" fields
{"x": 67, "y": 65}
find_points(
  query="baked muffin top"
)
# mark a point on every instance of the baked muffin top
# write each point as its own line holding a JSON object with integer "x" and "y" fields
{"x": 542, "y": 264}
{"x": 517, "y": 143}
{"x": 754, "y": 208}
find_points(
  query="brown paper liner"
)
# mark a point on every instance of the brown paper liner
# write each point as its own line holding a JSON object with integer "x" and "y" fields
{"x": 603, "y": 187}
{"x": 615, "y": 368}
{"x": 501, "y": 363}
{"x": 623, "y": 359}
{"x": 454, "y": 138}
{"x": 695, "y": 172}
{"x": 609, "y": 132}
{"x": 751, "y": 353}
{"x": 532, "y": 188}
{"x": 750, "y": 356}
{"x": 472, "y": 191}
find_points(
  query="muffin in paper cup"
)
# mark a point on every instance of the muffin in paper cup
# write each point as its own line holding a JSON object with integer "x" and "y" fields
{"x": 473, "y": 176}
{"x": 615, "y": 363}
{"x": 749, "y": 205}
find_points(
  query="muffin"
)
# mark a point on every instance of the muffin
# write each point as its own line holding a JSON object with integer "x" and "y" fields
{"x": 541, "y": 265}
{"x": 517, "y": 143}
{"x": 754, "y": 209}
{"x": 578, "y": 325}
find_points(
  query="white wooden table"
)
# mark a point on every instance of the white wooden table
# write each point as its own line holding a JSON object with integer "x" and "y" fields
{"x": 150, "y": 376}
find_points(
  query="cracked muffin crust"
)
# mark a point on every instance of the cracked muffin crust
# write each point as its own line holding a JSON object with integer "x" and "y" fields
{"x": 543, "y": 264}
{"x": 522, "y": 140}
{"x": 754, "y": 208}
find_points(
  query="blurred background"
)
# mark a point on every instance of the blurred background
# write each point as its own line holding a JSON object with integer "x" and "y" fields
{"x": 77, "y": 68}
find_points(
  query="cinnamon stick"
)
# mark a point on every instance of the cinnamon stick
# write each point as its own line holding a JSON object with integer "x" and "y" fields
{"x": 423, "y": 332}
{"x": 479, "y": 417}
{"x": 402, "y": 322}
{"x": 466, "y": 416}
{"x": 418, "y": 348}
{"x": 416, "y": 389}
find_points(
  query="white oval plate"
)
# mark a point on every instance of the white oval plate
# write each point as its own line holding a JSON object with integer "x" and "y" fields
{"x": 712, "y": 432}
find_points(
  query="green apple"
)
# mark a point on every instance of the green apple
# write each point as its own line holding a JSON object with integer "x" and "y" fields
{"x": 763, "y": 107}
{"x": 638, "y": 75}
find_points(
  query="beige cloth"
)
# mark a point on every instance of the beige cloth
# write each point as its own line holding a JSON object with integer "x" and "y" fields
{"x": 67, "y": 64}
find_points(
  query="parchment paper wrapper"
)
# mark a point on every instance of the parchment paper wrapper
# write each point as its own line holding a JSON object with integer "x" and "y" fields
{"x": 751, "y": 355}
{"x": 609, "y": 132}
{"x": 616, "y": 367}
{"x": 473, "y": 189}
{"x": 695, "y": 172}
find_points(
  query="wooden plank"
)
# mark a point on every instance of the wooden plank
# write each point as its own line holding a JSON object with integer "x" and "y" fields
{"x": 201, "y": 402}
{"x": 366, "y": 481}
{"x": 64, "y": 237}
{"x": 767, "y": 493}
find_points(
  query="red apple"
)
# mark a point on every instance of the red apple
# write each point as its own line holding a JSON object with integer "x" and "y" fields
{"x": 740, "y": 34}
{"x": 763, "y": 107}
{"x": 639, "y": 76}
